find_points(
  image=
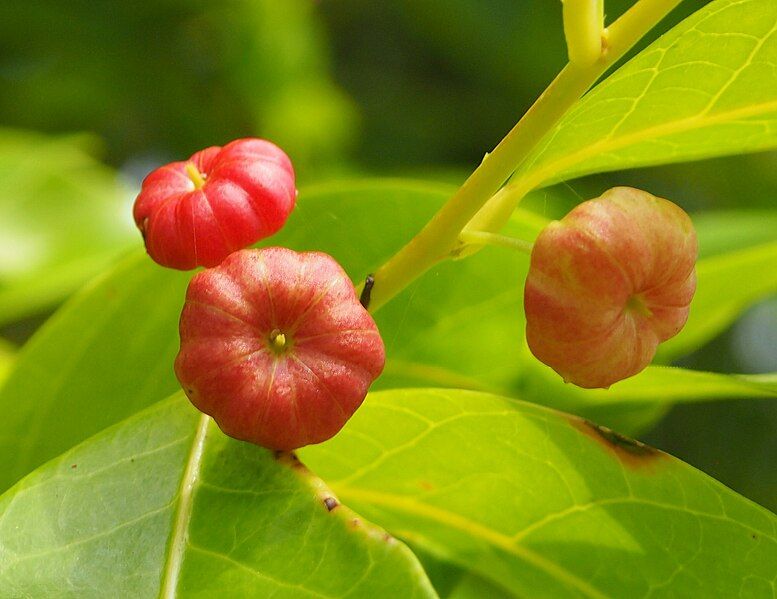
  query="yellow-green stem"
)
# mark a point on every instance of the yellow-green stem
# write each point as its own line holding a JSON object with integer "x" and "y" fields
{"x": 440, "y": 235}
{"x": 481, "y": 238}
{"x": 583, "y": 30}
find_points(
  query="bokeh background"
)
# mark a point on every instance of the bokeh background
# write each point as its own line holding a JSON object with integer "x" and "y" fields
{"x": 95, "y": 94}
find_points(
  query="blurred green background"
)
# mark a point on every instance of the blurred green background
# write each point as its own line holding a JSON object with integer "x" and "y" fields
{"x": 95, "y": 94}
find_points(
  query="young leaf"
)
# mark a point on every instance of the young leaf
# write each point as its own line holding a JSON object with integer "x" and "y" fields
{"x": 165, "y": 505}
{"x": 707, "y": 88}
{"x": 545, "y": 504}
{"x": 60, "y": 220}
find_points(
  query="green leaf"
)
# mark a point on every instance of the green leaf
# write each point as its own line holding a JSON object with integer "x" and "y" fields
{"x": 62, "y": 219}
{"x": 707, "y": 88}
{"x": 765, "y": 381}
{"x": 544, "y": 504}
{"x": 635, "y": 404}
{"x": 727, "y": 284}
{"x": 724, "y": 231}
{"x": 166, "y": 505}
{"x": 677, "y": 384}
{"x": 107, "y": 354}
{"x": 655, "y": 384}
{"x": 733, "y": 440}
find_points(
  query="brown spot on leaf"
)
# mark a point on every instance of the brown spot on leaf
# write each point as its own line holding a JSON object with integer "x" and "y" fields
{"x": 425, "y": 485}
{"x": 74, "y": 465}
{"x": 631, "y": 453}
{"x": 331, "y": 503}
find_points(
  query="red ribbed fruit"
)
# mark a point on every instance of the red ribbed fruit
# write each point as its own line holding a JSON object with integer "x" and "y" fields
{"x": 607, "y": 284}
{"x": 197, "y": 212}
{"x": 276, "y": 347}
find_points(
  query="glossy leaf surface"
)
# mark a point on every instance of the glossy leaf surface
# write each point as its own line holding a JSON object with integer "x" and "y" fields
{"x": 544, "y": 504}
{"x": 707, "y": 88}
{"x": 166, "y": 505}
{"x": 105, "y": 355}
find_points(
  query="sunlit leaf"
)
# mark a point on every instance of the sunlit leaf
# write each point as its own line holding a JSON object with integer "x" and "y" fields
{"x": 707, "y": 88}
{"x": 164, "y": 504}
{"x": 544, "y": 504}
{"x": 105, "y": 355}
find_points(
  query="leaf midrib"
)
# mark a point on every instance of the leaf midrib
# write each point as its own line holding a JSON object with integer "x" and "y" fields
{"x": 183, "y": 512}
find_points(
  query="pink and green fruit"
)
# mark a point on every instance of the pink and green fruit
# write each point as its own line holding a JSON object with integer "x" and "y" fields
{"x": 608, "y": 283}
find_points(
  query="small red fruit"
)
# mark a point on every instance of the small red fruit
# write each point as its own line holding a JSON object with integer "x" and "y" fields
{"x": 196, "y": 213}
{"x": 276, "y": 347}
{"x": 607, "y": 284}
